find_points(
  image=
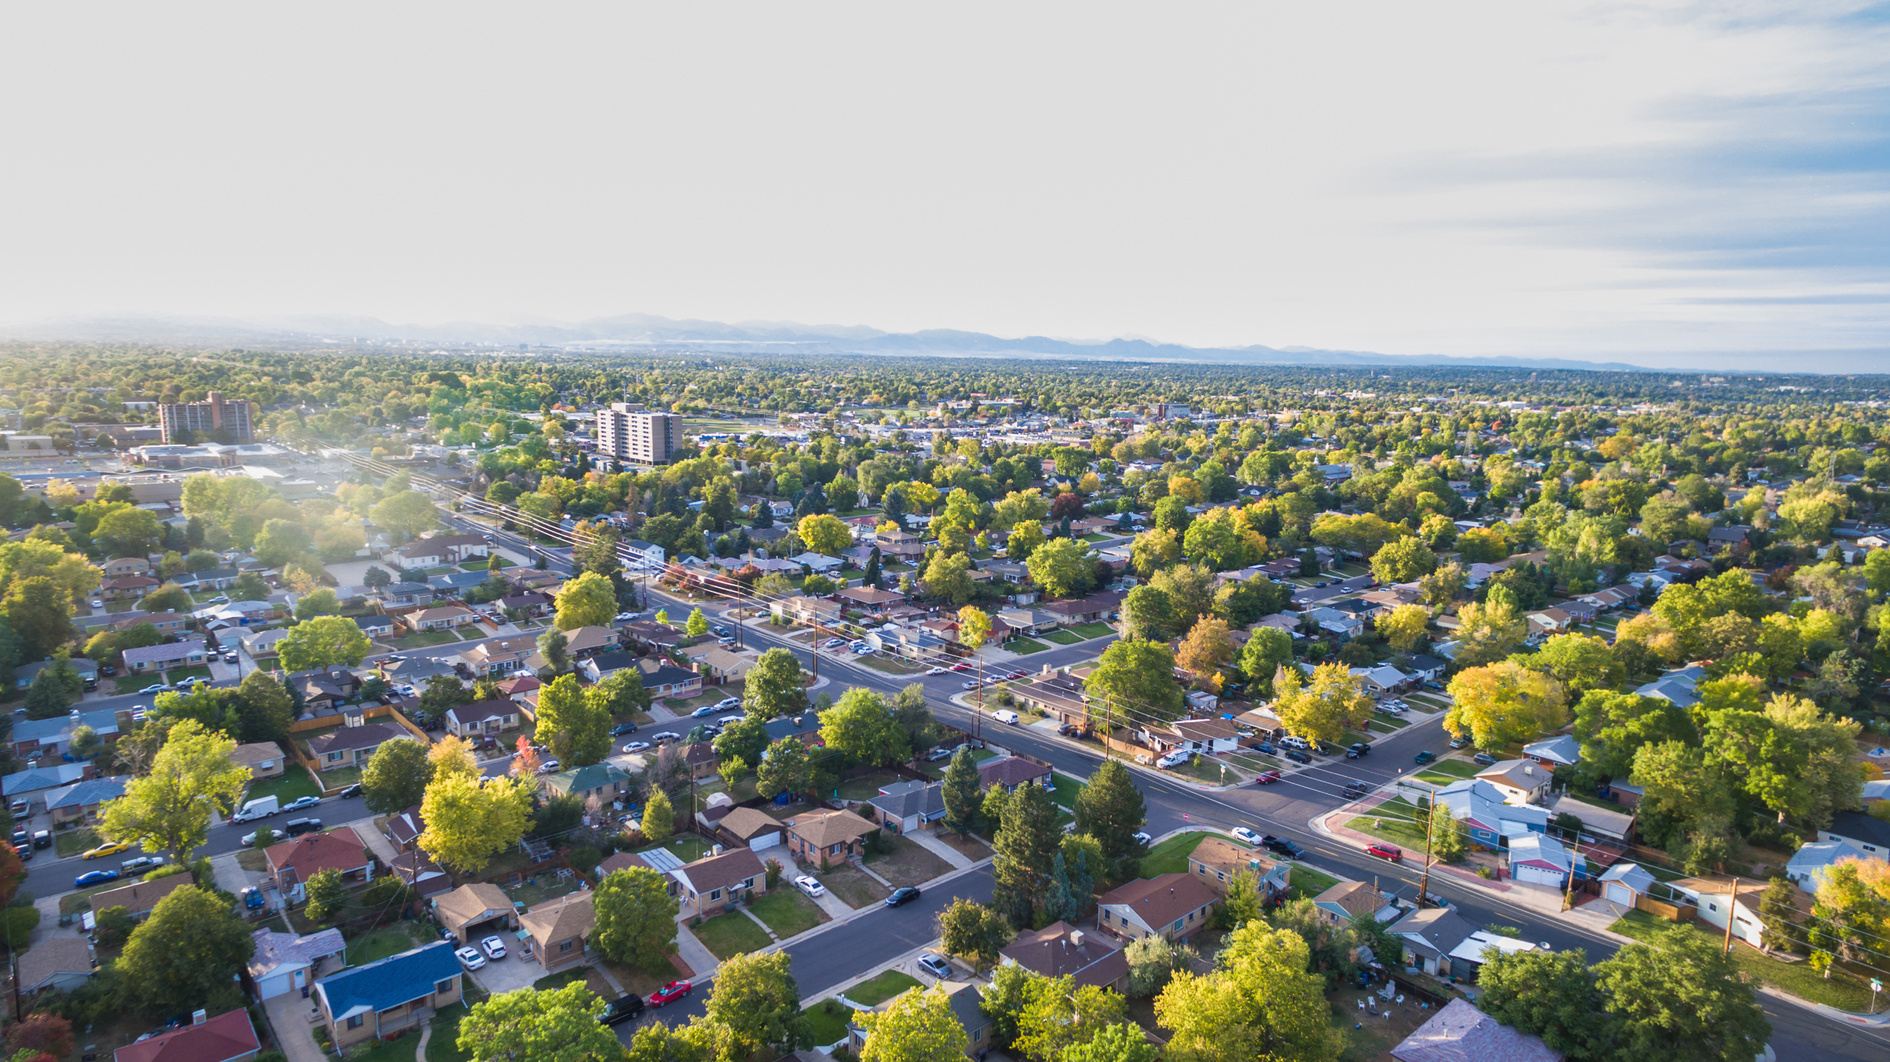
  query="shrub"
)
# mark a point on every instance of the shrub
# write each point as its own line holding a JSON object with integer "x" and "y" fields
{"x": 584, "y": 857}
{"x": 1484, "y": 872}
{"x": 774, "y": 872}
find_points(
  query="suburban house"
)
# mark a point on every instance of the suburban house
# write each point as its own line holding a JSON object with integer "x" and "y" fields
{"x": 1062, "y": 950}
{"x": 404, "y": 828}
{"x": 263, "y": 758}
{"x": 87, "y": 670}
{"x": 668, "y": 680}
{"x": 911, "y": 805}
{"x": 967, "y": 1006}
{"x": 1174, "y": 905}
{"x": 497, "y": 655}
{"x": 601, "y": 781}
{"x": 558, "y": 929}
{"x": 1561, "y": 750}
{"x": 165, "y": 622}
{"x": 756, "y": 829}
{"x": 1349, "y": 899}
{"x": 584, "y": 641}
{"x": 806, "y": 611}
{"x": 284, "y": 962}
{"x": 119, "y": 567}
{"x": 1717, "y": 903}
{"x": 1217, "y": 861}
{"x": 870, "y": 598}
{"x": 711, "y": 883}
{"x": 1540, "y": 859}
{"x": 603, "y": 665}
{"x": 474, "y": 910}
{"x": 228, "y": 1037}
{"x": 804, "y": 728}
{"x": 1480, "y": 807}
{"x": 138, "y": 898}
{"x": 482, "y": 717}
{"x": 1205, "y": 736}
{"x": 57, "y": 962}
{"x": 825, "y": 837}
{"x": 1600, "y": 821}
{"x": 1092, "y": 609}
{"x": 1430, "y": 935}
{"x": 127, "y": 587}
{"x": 1810, "y": 863}
{"x": 1627, "y": 883}
{"x": 1868, "y": 835}
{"x": 50, "y": 776}
{"x": 1011, "y": 772}
{"x": 262, "y": 645}
{"x": 353, "y": 746}
{"x": 375, "y": 625}
{"x": 153, "y": 658}
{"x": 1520, "y": 781}
{"x": 527, "y": 602}
{"x": 292, "y": 862}
{"x": 80, "y": 801}
{"x": 723, "y": 665}
{"x": 441, "y": 618}
{"x": 1459, "y": 1032}
{"x": 391, "y": 995}
{"x": 416, "y": 871}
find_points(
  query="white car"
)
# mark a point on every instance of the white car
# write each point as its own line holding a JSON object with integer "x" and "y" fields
{"x": 470, "y": 958}
{"x": 546, "y": 767}
{"x": 1143, "y": 839}
{"x": 494, "y": 947}
{"x": 726, "y": 703}
{"x": 809, "y": 886}
{"x": 636, "y": 746}
{"x": 1242, "y": 833}
{"x": 935, "y": 671}
{"x": 156, "y": 687}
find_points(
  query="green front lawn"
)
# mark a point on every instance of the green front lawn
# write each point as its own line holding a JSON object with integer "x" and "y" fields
{"x": 422, "y": 639}
{"x": 1064, "y": 637}
{"x": 292, "y": 783}
{"x": 1024, "y": 646}
{"x": 340, "y": 777}
{"x": 1171, "y": 856}
{"x": 1063, "y": 789}
{"x": 731, "y": 934}
{"x": 1844, "y": 990}
{"x": 1087, "y": 631}
{"x": 879, "y": 989}
{"x": 787, "y": 912}
{"x": 1454, "y": 768}
{"x": 1308, "y": 882}
{"x": 388, "y": 940}
{"x": 1396, "y": 820}
{"x": 481, "y": 564}
{"x": 1390, "y": 720}
{"x": 181, "y": 675}
{"x": 132, "y": 683}
{"x": 826, "y": 1020}
{"x": 72, "y": 842}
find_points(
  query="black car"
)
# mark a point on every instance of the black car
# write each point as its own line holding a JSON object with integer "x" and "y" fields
{"x": 1066, "y": 729}
{"x": 618, "y": 1011}
{"x": 1296, "y": 756}
{"x": 352, "y": 791}
{"x": 298, "y": 827}
{"x": 623, "y": 728}
{"x": 1282, "y": 846}
{"x": 1357, "y": 749}
{"x": 901, "y": 897}
{"x": 1356, "y": 789}
{"x": 1483, "y": 759}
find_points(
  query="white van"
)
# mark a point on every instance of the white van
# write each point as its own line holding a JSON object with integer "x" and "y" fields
{"x": 1175, "y": 758}
{"x": 1005, "y": 716}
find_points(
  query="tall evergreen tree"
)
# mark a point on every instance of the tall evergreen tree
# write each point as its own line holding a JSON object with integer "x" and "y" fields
{"x": 1111, "y": 809}
{"x": 963, "y": 804}
{"x": 1024, "y": 850}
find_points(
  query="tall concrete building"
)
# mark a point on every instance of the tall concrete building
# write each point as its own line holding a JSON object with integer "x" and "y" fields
{"x": 210, "y": 420}
{"x": 629, "y": 433}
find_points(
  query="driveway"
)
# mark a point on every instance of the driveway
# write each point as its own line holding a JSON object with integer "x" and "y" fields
{"x": 510, "y": 973}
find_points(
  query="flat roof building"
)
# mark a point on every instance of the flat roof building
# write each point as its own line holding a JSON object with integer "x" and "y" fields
{"x": 215, "y": 419}
{"x": 634, "y": 435}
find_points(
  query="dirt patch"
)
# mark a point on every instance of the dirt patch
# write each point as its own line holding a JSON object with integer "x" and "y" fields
{"x": 1373, "y": 1030}
{"x": 852, "y": 885}
{"x": 905, "y": 863}
{"x": 970, "y": 847}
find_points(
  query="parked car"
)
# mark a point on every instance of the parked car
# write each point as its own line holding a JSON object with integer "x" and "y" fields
{"x": 1459, "y": 742}
{"x": 670, "y": 993}
{"x": 635, "y": 747}
{"x": 21, "y": 837}
{"x": 1425, "y": 757}
{"x": 618, "y": 1011}
{"x": 935, "y": 966}
{"x": 1297, "y": 756}
{"x": 1243, "y": 833}
{"x": 298, "y": 827}
{"x": 809, "y": 886}
{"x": 1067, "y": 729}
{"x": 94, "y": 877}
{"x": 961, "y": 666}
{"x": 109, "y": 848}
{"x": 665, "y": 737}
{"x": 469, "y": 958}
{"x": 1282, "y": 846}
{"x": 352, "y": 791}
{"x": 1267, "y": 777}
{"x": 971, "y": 684}
{"x": 623, "y": 728}
{"x": 1174, "y": 759}
{"x": 727, "y": 703}
{"x": 1386, "y": 851}
{"x": 548, "y": 767}
{"x": 1483, "y": 759}
{"x": 156, "y": 687}
{"x": 719, "y": 631}
{"x": 901, "y": 897}
{"x": 301, "y": 802}
{"x": 1357, "y": 749}
{"x": 1356, "y": 789}
{"x": 493, "y": 947}
{"x": 708, "y": 710}
{"x": 141, "y": 863}
{"x": 940, "y": 753}
{"x": 935, "y": 671}
{"x": 42, "y": 839}
{"x": 230, "y": 657}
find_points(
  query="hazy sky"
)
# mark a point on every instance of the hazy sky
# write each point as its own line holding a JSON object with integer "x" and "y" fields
{"x": 1636, "y": 182}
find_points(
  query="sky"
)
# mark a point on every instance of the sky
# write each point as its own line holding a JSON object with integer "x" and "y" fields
{"x": 1687, "y": 185}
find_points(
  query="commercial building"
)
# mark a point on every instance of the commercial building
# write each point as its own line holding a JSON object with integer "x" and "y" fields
{"x": 634, "y": 435}
{"x": 215, "y": 419}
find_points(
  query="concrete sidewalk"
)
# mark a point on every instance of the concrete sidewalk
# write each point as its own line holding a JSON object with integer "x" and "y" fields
{"x": 700, "y": 960}
{"x": 384, "y": 851}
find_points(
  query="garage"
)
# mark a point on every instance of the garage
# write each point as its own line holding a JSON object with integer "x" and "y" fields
{"x": 1538, "y": 859}
{"x": 475, "y": 910}
{"x": 1625, "y": 883}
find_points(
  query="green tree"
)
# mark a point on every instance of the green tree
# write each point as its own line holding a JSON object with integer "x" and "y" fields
{"x": 1026, "y": 538}
{"x": 1447, "y": 835}
{"x": 1261, "y": 1003}
{"x": 1134, "y": 680}
{"x": 406, "y": 512}
{"x": 963, "y": 800}
{"x": 636, "y": 918}
{"x": 1121, "y": 1042}
{"x": 1324, "y": 708}
{"x": 948, "y": 577}
{"x": 1153, "y": 960}
{"x": 538, "y": 1025}
{"x": 1504, "y": 702}
{"x": 1061, "y": 1015}
{"x": 775, "y": 686}
{"x": 745, "y": 739}
{"x": 659, "y": 818}
{"x": 396, "y": 776}
{"x": 1404, "y": 627}
{"x": 574, "y": 727}
{"x": 323, "y": 641}
{"x": 128, "y": 532}
{"x": 970, "y": 930}
{"x": 785, "y": 769}
{"x": 1268, "y": 649}
{"x": 186, "y": 955}
{"x": 1111, "y": 809}
{"x": 470, "y": 820}
{"x": 168, "y": 809}
{"x": 324, "y": 894}
{"x": 1685, "y": 1001}
{"x": 1580, "y": 662}
{"x": 1063, "y": 567}
{"x": 1547, "y": 994}
{"x": 620, "y": 694}
{"x": 1147, "y": 613}
{"x": 861, "y": 728}
{"x": 264, "y": 709}
{"x": 442, "y": 694}
{"x": 167, "y": 598}
{"x": 556, "y": 649}
{"x": 1023, "y": 851}
{"x": 1403, "y": 560}
{"x": 39, "y": 613}
{"x": 916, "y": 1027}
{"x": 55, "y": 689}
{"x": 586, "y": 601}
{"x": 697, "y": 624}
{"x": 756, "y": 998}
{"x": 1488, "y": 632}
{"x": 825, "y": 534}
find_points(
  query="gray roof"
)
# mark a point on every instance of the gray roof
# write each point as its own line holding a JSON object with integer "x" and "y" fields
{"x": 86, "y": 793}
{"x": 275, "y": 950}
{"x": 903, "y": 800}
{"x": 59, "y": 727}
{"x": 34, "y": 779}
{"x": 1857, "y": 826}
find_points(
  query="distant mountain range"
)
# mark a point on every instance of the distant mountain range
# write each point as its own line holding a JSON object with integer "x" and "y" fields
{"x": 646, "y": 332}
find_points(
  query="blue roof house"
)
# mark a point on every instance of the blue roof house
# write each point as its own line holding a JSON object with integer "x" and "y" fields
{"x": 393, "y": 995}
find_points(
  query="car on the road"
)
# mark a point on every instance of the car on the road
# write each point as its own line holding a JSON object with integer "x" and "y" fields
{"x": 547, "y": 767}
{"x": 1243, "y": 833}
{"x": 493, "y": 947}
{"x": 1282, "y": 846}
{"x": 138, "y": 863}
{"x": 729, "y": 720}
{"x": 1267, "y": 777}
{"x": 718, "y": 630}
{"x": 156, "y": 687}
{"x": 298, "y": 827}
{"x": 301, "y": 802}
{"x": 971, "y": 684}
{"x": 710, "y": 709}
{"x": 94, "y": 877}
{"x": 625, "y": 617}
{"x": 935, "y": 966}
{"x": 635, "y": 747}
{"x": 901, "y": 897}
{"x": 1483, "y": 759}
{"x": 809, "y": 886}
{"x": 469, "y": 958}
{"x": 1142, "y": 838}
{"x": 935, "y": 671}
{"x": 109, "y": 848}
{"x": 1385, "y": 851}
{"x": 1357, "y": 749}
{"x": 350, "y": 792}
{"x": 726, "y": 703}
{"x": 1356, "y": 789}
{"x": 664, "y": 737}
{"x": 250, "y": 837}
{"x": 670, "y": 993}
{"x": 1297, "y": 756}
{"x": 623, "y": 728}
{"x": 1425, "y": 756}
{"x": 618, "y": 1011}
{"x": 961, "y": 667}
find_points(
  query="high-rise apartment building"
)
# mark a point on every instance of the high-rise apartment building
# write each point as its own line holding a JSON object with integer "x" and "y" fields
{"x": 631, "y": 434}
{"x": 215, "y": 419}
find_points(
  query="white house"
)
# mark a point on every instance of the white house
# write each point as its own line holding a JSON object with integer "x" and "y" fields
{"x": 1809, "y": 864}
{"x": 1561, "y": 750}
{"x": 1867, "y": 834}
{"x": 284, "y": 962}
{"x": 1520, "y": 781}
{"x": 1717, "y": 903}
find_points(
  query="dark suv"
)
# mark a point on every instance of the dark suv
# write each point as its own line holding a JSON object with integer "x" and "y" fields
{"x": 298, "y": 827}
{"x": 621, "y": 1010}
{"x": 1357, "y": 749}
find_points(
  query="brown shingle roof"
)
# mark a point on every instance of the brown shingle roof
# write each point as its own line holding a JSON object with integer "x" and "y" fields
{"x": 572, "y": 915}
{"x": 139, "y": 897}
{"x": 1161, "y": 900}
{"x": 1089, "y": 958}
{"x": 721, "y": 871}
{"x": 1010, "y": 771}
{"x": 748, "y": 823}
{"x": 339, "y": 849}
{"x": 823, "y": 828}
{"x": 226, "y": 1036}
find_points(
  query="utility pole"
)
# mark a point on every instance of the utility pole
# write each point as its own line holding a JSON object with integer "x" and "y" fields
{"x": 977, "y": 716}
{"x": 1424, "y": 881}
{"x": 1731, "y": 909}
